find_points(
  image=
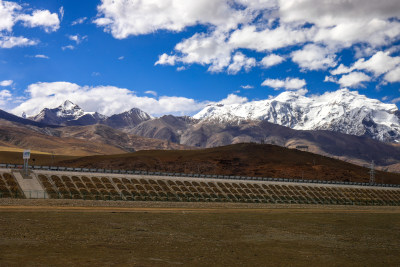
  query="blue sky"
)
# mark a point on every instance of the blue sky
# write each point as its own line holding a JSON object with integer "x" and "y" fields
{"x": 176, "y": 56}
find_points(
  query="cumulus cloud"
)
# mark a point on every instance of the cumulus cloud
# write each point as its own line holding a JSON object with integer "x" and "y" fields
{"x": 5, "y": 96}
{"x": 6, "y": 83}
{"x": 126, "y": 18}
{"x": 271, "y": 60}
{"x": 396, "y": 100}
{"x": 320, "y": 29}
{"x": 380, "y": 63}
{"x": 344, "y": 23}
{"x": 240, "y": 61}
{"x": 41, "y": 18}
{"x": 11, "y": 13}
{"x": 165, "y": 59}
{"x": 393, "y": 75}
{"x": 353, "y": 79}
{"x": 287, "y": 84}
{"x": 330, "y": 79}
{"x": 247, "y": 86}
{"x": 251, "y": 37}
{"x": 13, "y": 41}
{"x": 104, "y": 99}
{"x": 8, "y": 11}
{"x": 77, "y": 38}
{"x": 314, "y": 57}
{"x": 233, "y": 99}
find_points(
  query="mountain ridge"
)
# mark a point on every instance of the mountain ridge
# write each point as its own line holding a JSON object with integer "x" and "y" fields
{"x": 340, "y": 111}
{"x": 70, "y": 114}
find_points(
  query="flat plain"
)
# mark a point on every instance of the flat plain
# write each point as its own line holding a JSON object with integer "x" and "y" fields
{"x": 73, "y": 232}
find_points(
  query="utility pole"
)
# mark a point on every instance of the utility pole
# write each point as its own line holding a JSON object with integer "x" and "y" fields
{"x": 26, "y": 155}
{"x": 372, "y": 173}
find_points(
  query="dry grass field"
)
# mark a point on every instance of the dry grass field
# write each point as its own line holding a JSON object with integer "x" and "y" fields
{"x": 89, "y": 233}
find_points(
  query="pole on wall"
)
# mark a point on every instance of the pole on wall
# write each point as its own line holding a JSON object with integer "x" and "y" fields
{"x": 26, "y": 156}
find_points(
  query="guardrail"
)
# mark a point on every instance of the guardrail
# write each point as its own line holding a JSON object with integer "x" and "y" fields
{"x": 193, "y": 175}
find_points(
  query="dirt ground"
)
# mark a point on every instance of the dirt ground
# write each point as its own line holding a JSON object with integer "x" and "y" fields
{"x": 70, "y": 232}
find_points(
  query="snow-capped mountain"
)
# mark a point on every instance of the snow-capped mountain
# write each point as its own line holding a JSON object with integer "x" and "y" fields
{"x": 67, "y": 111}
{"x": 129, "y": 118}
{"x": 70, "y": 114}
{"x": 340, "y": 111}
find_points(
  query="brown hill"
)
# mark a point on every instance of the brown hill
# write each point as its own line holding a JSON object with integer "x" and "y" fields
{"x": 77, "y": 140}
{"x": 238, "y": 160}
{"x": 19, "y": 136}
{"x": 356, "y": 149}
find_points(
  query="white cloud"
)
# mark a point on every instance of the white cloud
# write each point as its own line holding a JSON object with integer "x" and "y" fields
{"x": 287, "y": 84}
{"x": 354, "y": 79}
{"x": 271, "y": 60}
{"x": 247, "y": 86}
{"x": 6, "y": 83}
{"x": 165, "y": 59}
{"x": 12, "y": 41}
{"x": 396, "y": 100}
{"x": 233, "y": 99}
{"x": 393, "y": 75}
{"x": 121, "y": 58}
{"x": 5, "y": 97}
{"x": 11, "y": 13}
{"x": 251, "y": 37}
{"x": 61, "y": 11}
{"x": 235, "y": 27}
{"x": 330, "y": 79}
{"x": 125, "y": 18}
{"x": 104, "y": 99}
{"x": 314, "y": 57}
{"x": 79, "y": 21}
{"x": 77, "y": 38}
{"x": 68, "y": 47}
{"x": 42, "y": 56}
{"x": 8, "y": 11}
{"x": 380, "y": 63}
{"x": 344, "y": 23}
{"x": 154, "y": 93}
{"x": 240, "y": 61}
{"x": 41, "y": 18}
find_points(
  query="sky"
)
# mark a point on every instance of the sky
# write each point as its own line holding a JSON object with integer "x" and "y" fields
{"x": 177, "y": 56}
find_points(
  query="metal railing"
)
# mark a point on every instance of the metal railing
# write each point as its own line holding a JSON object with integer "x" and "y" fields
{"x": 193, "y": 175}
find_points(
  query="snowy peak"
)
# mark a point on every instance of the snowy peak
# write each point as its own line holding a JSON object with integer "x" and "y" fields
{"x": 340, "y": 111}
{"x": 70, "y": 114}
{"x": 129, "y": 118}
{"x": 60, "y": 115}
{"x": 70, "y": 110}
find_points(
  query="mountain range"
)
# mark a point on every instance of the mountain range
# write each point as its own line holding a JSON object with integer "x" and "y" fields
{"x": 70, "y": 114}
{"x": 341, "y": 124}
{"x": 341, "y": 111}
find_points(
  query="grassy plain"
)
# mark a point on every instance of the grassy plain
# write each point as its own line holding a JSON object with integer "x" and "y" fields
{"x": 196, "y": 234}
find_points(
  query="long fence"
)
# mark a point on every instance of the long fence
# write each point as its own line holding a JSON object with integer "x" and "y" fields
{"x": 194, "y": 175}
